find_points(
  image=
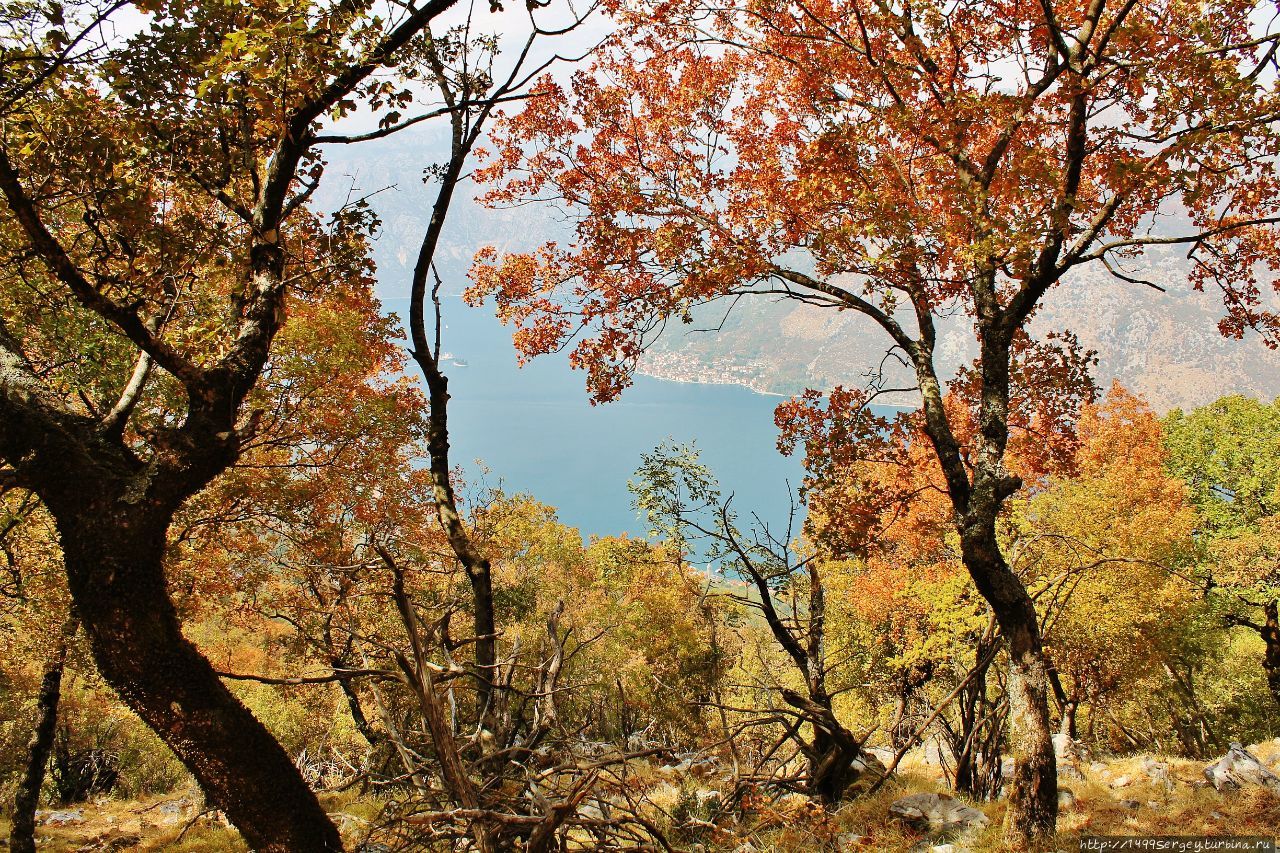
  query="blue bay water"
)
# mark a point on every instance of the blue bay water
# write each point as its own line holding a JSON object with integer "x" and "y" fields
{"x": 537, "y": 433}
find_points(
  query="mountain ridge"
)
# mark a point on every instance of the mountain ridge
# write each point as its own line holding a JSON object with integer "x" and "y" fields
{"x": 1162, "y": 345}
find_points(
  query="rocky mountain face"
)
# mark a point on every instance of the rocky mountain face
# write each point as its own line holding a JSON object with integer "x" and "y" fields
{"x": 1165, "y": 346}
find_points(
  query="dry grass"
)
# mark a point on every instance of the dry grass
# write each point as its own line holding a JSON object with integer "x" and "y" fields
{"x": 1185, "y": 806}
{"x": 168, "y": 823}
{"x": 1105, "y": 805}
{"x": 864, "y": 824}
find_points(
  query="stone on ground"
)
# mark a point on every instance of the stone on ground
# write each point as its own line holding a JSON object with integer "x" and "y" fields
{"x": 937, "y": 813}
{"x": 1240, "y": 769}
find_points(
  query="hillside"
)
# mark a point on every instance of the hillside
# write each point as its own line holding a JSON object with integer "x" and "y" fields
{"x": 1165, "y": 346}
{"x": 1121, "y": 796}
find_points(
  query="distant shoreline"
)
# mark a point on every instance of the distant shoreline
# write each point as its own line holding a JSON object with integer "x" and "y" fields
{"x": 706, "y": 381}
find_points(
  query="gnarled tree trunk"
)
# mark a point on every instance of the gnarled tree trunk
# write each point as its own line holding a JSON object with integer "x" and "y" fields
{"x": 114, "y": 559}
{"x": 978, "y": 487}
{"x": 1033, "y": 789}
{"x": 835, "y": 756}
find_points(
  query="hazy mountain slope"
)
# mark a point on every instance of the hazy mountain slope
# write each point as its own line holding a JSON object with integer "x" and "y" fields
{"x": 1163, "y": 345}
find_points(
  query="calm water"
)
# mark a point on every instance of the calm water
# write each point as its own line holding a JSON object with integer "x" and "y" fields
{"x": 533, "y": 427}
{"x": 535, "y": 430}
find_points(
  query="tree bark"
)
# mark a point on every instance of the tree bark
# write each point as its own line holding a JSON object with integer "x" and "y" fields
{"x": 114, "y": 561}
{"x": 112, "y": 511}
{"x": 1032, "y": 814}
{"x": 1033, "y": 790}
{"x": 22, "y": 834}
{"x": 1068, "y": 725}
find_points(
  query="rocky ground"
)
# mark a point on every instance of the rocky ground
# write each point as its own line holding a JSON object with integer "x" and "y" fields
{"x": 1239, "y": 794}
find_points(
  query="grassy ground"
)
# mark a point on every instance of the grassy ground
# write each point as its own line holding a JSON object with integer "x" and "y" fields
{"x": 1117, "y": 797}
{"x": 170, "y": 823}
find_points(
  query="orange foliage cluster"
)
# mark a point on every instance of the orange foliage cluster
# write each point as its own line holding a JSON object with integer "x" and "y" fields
{"x": 712, "y": 150}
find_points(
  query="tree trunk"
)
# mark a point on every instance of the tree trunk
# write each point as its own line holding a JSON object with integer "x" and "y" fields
{"x": 22, "y": 835}
{"x": 1068, "y": 726}
{"x": 485, "y": 625}
{"x": 831, "y": 767}
{"x": 833, "y": 751}
{"x": 114, "y": 560}
{"x": 899, "y": 731}
{"x": 1033, "y": 791}
{"x": 978, "y": 485}
{"x": 1068, "y": 704}
{"x": 1190, "y": 721}
{"x": 1032, "y": 815}
{"x": 1271, "y": 637}
{"x": 452, "y": 767}
{"x": 426, "y": 352}
{"x": 976, "y": 745}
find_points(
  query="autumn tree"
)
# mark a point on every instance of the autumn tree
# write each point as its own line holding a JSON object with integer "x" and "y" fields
{"x": 904, "y": 162}
{"x": 471, "y": 75}
{"x": 681, "y": 500}
{"x": 1104, "y": 551}
{"x": 1226, "y": 453}
{"x": 155, "y": 223}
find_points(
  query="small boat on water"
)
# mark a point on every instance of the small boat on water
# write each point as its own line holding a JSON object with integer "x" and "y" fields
{"x": 447, "y": 357}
